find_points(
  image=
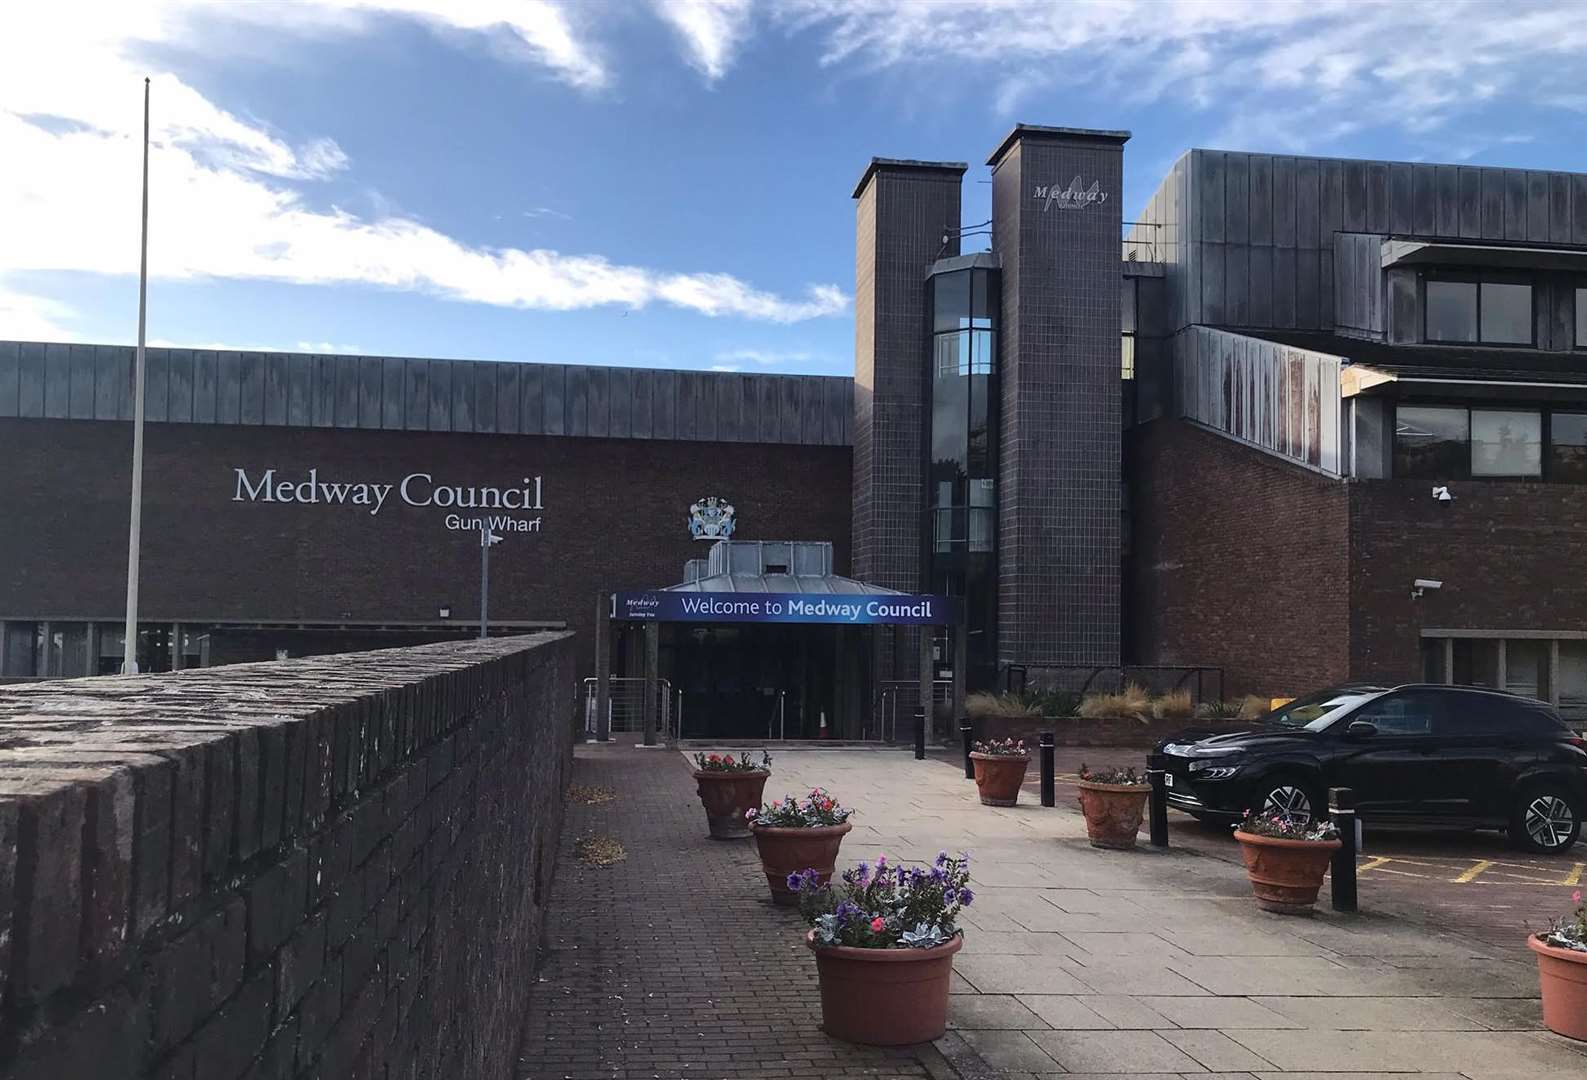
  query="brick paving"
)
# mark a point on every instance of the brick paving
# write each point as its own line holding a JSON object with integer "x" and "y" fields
{"x": 673, "y": 963}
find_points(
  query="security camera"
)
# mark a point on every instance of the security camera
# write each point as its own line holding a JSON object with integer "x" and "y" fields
{"x": 1421, "y": 585}
{"x": 1441, "y": 493}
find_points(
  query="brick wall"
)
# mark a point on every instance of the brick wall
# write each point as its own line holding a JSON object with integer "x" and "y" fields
{"x": 1238, "y": 560}
{"x": 1506, "y": 551}
{"x": 326, "y": 868}
{"x": 615, "y": 517}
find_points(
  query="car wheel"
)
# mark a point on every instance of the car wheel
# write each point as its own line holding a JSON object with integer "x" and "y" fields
{"x": 1547, "y": 820}
{"x": 1291, "y": 798}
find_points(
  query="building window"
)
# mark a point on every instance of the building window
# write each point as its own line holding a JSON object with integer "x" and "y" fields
{"x": 1506, "y": 443}
{"x": 1567, "y": 447}
{"x": 1472, "y": 312}
{"x": 1573, "y": 678}
{"x": 1540, "y": 665}
{"x": 1431, "y": 442}
{"x": 1581, "y": 318}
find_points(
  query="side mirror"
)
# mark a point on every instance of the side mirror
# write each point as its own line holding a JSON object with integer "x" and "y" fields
{"x": 1361, "y": 729}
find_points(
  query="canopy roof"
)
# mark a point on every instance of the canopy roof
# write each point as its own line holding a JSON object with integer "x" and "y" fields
{"x": 770, "y": 566}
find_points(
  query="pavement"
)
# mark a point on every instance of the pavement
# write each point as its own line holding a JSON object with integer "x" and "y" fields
{"x": 1076, "y": 961}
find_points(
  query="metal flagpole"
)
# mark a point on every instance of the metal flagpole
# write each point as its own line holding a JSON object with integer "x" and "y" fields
{"x": 486, "y": 540}
{"x": 129, "y": 656}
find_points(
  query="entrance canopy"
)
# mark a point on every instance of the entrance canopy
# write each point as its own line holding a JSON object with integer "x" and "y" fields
{"x": 780, "y": 582}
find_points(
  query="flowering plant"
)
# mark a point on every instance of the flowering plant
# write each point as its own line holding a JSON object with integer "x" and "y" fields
{"x": 728, "y": 763}
{"x": 1569, "y": 931}
{"x": 790, "y": 812}
{"x": 886, "y": 906}
{"x": 1110, "y": 775}
{"x": 1003, "y": 748}
{"x": 1282, "y": 827}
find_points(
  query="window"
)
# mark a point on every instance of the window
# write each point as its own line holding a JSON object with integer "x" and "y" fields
{"x": 1581, "y": 318}
{"x": 1431, "y": 441}
{"x": 1567, "y": 447}
{"x": 1573, "y": 677}
{"x": 1506, "y": 443}
{"x": 1476, "y": 662}
{"x": 1468, "y": 312}
{"x": 1410, "y": 713}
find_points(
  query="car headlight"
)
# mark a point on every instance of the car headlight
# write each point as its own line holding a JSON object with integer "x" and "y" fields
{"x": 1206, "y": 770}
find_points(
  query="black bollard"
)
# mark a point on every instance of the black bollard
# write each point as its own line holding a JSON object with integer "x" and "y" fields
{"x": 1157, "y": 776}
{"x": 1048, "y": 748}
{"x": 920, "y": 734}
{"x": 1342, "y": 809}
{"x": 966, "y": 730}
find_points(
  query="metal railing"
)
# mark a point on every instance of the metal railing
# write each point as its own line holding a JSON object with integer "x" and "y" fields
{"x": 625, "y": 706}
{"x": 1145, "y": 245}
{"x": 898, "y": 698}
{"x": 1204, "y": 683}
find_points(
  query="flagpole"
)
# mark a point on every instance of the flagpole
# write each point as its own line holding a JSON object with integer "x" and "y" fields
{"x": 129, "y": 656}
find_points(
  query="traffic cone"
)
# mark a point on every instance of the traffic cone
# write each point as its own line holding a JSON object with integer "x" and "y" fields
{"x": 825, "y": 732}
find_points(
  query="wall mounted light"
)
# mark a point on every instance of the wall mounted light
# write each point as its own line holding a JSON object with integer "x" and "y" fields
{"x": 446, "y": 611}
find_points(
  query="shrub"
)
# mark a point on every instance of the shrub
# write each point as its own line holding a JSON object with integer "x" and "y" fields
{"x": 1110, "y": 775}
{"x": 1253, "y": 707}
{"x": 1175, "y": 705}
{"x": 790, "y": 812}
{"x": 888, "y": 908}
{"x": 1569, "y": 931}
{"x": 1132, "y": 701}
{"x": 728, "y": 763}
{"x": 1003, "y": 748}
{"x": 1282, "y": 827}
{"x": 982, "y": 705}
{"x": 1218, "y": 710}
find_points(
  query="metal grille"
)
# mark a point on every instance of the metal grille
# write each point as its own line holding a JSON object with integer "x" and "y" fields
{"x": 626, "y": 707}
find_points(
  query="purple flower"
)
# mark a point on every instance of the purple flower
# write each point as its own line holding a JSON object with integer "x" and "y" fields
{"x": 795, "y": 882}
{"x": 942, "y": 857}
{"x": 965, "y": 896}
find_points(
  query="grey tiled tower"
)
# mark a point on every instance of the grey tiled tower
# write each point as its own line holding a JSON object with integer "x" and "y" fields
{"x": 1056, "y": 194}
{"x": 904, "y": 210}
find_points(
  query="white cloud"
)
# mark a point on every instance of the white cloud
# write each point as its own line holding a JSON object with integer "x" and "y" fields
{"x": 765, "y": 357}
{"x": 226, "y": 198}
{"x": 712, "y": 31}
{"x": 24, "y": 317}
{"x": 726, "y": 367}
{"x": 232, "y": 346}
{"x": 1412, "y": 65}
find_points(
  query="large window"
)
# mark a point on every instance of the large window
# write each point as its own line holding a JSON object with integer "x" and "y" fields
{"x": 1471, "y": 312}
{"x": 1506, "y": 442}
{"x": 1581, "y": 318}
{"x": 1452, "y": 442}
{"x": 1540, "y": 665}
{"x": 1431, "y": 441}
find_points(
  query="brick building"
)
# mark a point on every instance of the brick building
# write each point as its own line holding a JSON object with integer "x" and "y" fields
{"x": 1313, "y": 420}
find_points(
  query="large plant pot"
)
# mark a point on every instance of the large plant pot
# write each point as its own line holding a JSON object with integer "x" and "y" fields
{"x": 884, "y": 997}
{"x": 1285, "y": 874}
{"x": 998, "y": 777}
{"x": 788, "y": 851}
{"x": 1563, "y": 976}
{"x": 727, "y": 796}
{"x": 1113, "y": 813}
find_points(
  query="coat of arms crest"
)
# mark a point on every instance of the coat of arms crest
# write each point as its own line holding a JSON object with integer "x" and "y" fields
{"x": 711, "y": 518}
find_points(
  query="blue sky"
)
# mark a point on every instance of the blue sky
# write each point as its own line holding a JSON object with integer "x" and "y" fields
{"x": 659, "y": 184}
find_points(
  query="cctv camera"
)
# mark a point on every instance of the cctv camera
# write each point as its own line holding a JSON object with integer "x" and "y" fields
{"x": 1441, "y": 493}
{"x": 1424, "y": 583}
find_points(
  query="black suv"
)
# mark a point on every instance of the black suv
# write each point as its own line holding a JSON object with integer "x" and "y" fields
{"x": 1443, "y": 756}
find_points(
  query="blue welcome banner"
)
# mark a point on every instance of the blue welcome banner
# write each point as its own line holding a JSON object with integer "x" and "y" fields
{"x": 858, "y": 609}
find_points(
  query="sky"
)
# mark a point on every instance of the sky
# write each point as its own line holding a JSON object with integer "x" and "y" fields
{"x": 658, "y": 184}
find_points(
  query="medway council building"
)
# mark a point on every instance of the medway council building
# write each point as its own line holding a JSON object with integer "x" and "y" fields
{"x": 1303, "y": 421}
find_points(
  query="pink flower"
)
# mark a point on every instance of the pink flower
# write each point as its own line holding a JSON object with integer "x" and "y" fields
{"x": 881, "y": 860}
{"x": 1575, "y": 897}
{"x": 877, "y": 925}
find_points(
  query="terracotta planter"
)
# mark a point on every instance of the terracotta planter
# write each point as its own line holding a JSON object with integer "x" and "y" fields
{"x": 788, "y": 851}
{"x": 1113, "y": 813}
{"x": 884, "y": 997}
{"x": 998, "y": 776}
{"x": 1563, "y": 975}
{"x": 1285, "y": 874}
{"x": 726, "y": 796}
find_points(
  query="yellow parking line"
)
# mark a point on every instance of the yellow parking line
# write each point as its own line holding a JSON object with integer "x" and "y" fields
{"x": 1574, "y": 877}
{"x": 1373, "y": 863}
{"x": 1470, "y": 875}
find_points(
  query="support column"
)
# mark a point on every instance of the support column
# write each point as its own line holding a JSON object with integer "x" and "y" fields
{"x": 603, "y": 668}
{"x": 176, "y": 646}
{"x": 652, "y": 677}
{"x": 961, "y": 662}
{"x": 926, "y": 687}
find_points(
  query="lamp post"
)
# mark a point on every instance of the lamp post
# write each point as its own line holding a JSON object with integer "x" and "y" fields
{"x": 487, "y": 540}
{"x": 129, "y": 647}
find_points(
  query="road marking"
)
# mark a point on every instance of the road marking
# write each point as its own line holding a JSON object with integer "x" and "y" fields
{"x": 1471, "y": 874}
{"x": 1574, "y": 877}
{"x": 1373, "y": 863}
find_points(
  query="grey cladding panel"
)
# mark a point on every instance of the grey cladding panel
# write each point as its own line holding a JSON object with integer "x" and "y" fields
{"x": 251, "y": 388}
{"x": 1237, "y": 284}
{"x": 206, "y": 386}
{"x": 440, "y": 395}
{"x": 278, "y": 387}
{"x": 1559, "y": 208}
{"x": 300, "y": 391}
{"x": 620, "y": 407}
{"x": 1470, "y": 203}
{"x": 600, "y": 402}
{"x": 1377, "y": 196}
{"x": 371, "y": 388}
{"x": 485, "y": 414}
{"x": 1446, "y": 221}
{"x": 1401, "y": 199}
{"x": 462, "y": 397}
{"x": 1578, "y": 209}
{"x": 228, "y": 389}
{"x": 1493, "y": 201}
{"x": 10, "y": 376}
{"x": 664, "y": 404}
{"x": 1261, "y": 286}
{"x": 1260, "y": 226}
{"x": 533, "y": 413}
{"x": 1537, "y": 206}
{"x": 393, "y": 392}
{"x": 1212, "y": 305}
{"x": 1210, "y": 192}
{"x": 641, "y": 417}
{"x": 509, "y": 399}
{"x": 179, "y": 403}
{"x": 1284, "y": 202}
{"x": 1284, "y": 286}
{"x": 347, "y": 380}
{"x": 416, "y": 395}
{"x": 1330, "y": 205}
{"x": 324, "y": 392}
{"x": 1308, "y": 213}
{"x": 1515, "y": 205}
{"x": 553, "y": 386}
{"x": 1355, "y": 196}
{"x": 82, "y": 381}
{"x": 576, "y": 401}
{"x": 156, "y": 384}
{"x": 1424, "y": 200}
{"x": 1237, "y": 198}
{"x": 57, "y": 381}
{"x": 30, "y": 385}
{"x": 792, "y": 417}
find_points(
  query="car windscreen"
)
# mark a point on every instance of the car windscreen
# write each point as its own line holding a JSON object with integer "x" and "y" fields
{"x": 1316, "y": 712}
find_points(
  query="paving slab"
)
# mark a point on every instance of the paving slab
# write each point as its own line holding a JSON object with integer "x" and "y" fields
{"x": 1114, "y": 1052}
{"x": 1220, "y": 1012}
{"x": 993, "y": 1012}
{"x": 1215, "y": 1051}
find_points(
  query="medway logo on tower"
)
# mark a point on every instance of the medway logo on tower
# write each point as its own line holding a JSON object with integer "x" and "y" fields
{"x": 418, "y": 489}
{"x": 1073, "y": 197}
